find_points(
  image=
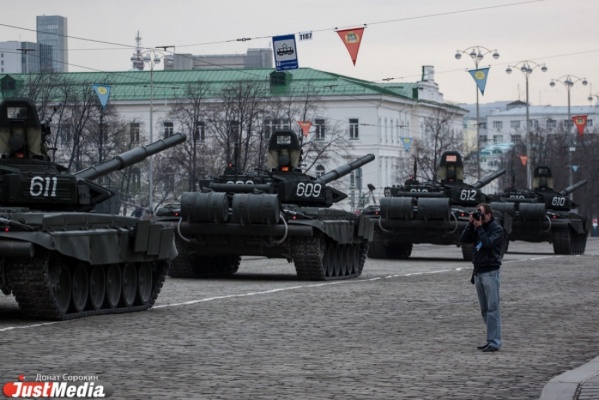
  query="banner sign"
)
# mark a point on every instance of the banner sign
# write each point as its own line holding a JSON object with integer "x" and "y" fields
{"x": 523, "y": 159}
{"x": 480, "y": 77}
{"x": 407, "y": 143}
{"x": 352, "y": 39}
{"x": 305, "y": 125}
{"x": 103, "y": 92}
{"x": 580, "y": 121}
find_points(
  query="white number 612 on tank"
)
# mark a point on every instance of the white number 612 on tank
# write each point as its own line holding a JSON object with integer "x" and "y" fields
{"x": 43, "y": 186}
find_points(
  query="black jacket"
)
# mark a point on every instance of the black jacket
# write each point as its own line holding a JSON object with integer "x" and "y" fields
{"x": 488, "y": 245}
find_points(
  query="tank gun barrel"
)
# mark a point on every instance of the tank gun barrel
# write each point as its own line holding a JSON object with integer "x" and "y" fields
{"x": 130, "y": 157}
{"x": 488, "y": 179}
{"x": 572, "y": 188}
{"x": 345, "y": 169}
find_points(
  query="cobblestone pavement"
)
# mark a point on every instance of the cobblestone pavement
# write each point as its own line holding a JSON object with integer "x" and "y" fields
{"x": 405, "y": 329}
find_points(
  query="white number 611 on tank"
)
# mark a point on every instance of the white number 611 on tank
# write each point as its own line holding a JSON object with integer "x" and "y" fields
{"x": 43, "y": 186}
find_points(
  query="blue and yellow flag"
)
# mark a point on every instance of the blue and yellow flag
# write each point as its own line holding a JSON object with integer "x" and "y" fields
{"x": 480, "y": 77}
{"x": 103, "y": 92}
{"x": 407, "y": 143}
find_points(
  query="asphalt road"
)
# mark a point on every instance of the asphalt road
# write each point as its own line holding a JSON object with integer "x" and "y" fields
{"x": 404, "y": 329}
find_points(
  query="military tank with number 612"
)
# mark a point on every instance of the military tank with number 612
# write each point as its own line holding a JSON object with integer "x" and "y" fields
{"x": 429, "y": 212}
{"x": 58, "y": 258}
{"x": 279, "y": 213}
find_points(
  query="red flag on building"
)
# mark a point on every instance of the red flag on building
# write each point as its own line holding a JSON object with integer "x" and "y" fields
{"x": 352, "y": 39}
{"x": 523, "y": 159}
{"x": 305, "y": 125}
{"x": 580, "y": 121}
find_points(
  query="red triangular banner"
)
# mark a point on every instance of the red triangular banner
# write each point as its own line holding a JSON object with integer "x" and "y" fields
{"x": 305, "y": 125}
{"x": 523, "y": 159}
{"x": 352, "y": 39}
{"x": 580, "y": 121}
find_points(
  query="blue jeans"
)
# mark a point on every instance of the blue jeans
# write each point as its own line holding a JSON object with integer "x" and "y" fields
{"x": 487, "y": 287}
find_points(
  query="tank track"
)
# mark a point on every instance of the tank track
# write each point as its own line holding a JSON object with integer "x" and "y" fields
{"x": 377, "y": 248}
{"x": 32, "y": 287}
{"x": 567, "y": 242}
{"x": 189, "y": 265}
{"x": 319, "y": 259}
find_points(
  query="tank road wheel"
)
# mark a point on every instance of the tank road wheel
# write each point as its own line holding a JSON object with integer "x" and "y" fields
{"x": 129, "y": 284}
{"x": 344, "y": 260}
{"x": 362, "y": 252}
{"x": 113, "y": 285}
{"x": 562, "y": 241}
{"x": 60, "y": 283}
{"x": 80, "y": 287}
{"x": 144, "y": 282}
{"x": 309, "y": 257}
{"x": 377, "y": 248}
{"x": 337, "y": 259}
{"x": 467, "y": 250}
{"x": 97, "y": 287}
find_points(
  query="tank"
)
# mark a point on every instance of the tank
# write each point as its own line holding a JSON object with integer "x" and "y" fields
{"x": 58, "y": 258}
{"x": 280, "y": 212}
{"x": 542, "y": 214}
{"x": 432, "y": 212}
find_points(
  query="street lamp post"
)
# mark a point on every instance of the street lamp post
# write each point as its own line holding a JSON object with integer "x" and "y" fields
{"x": 526, "y": 67}
{"x": 477, "y": 53}
{"x": 568, "y": 81}
{"x": 152, "y": 58}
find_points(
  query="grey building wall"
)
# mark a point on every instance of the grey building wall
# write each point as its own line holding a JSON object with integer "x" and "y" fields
{"x": 254, "y": 58}
{"x": 22, "y": 57}
{"x": 52, "y": 31}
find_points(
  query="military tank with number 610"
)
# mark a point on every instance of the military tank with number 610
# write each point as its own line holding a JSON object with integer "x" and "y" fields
{"x": 58, "y": 258}
{"x": 541, "y": 214}
{"x": 279, "y": 213}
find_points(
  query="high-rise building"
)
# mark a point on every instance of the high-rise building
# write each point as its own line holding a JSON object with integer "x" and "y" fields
{"x": 23, "y": 57}
{"x": 52, "y": 31}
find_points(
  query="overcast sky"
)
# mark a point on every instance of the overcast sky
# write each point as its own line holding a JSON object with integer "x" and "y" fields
{"x": 401, "y": 36}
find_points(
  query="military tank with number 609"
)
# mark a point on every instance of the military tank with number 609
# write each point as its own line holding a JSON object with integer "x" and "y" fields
{"x": 58, "y": 258}
{"x": 279, "y": 213}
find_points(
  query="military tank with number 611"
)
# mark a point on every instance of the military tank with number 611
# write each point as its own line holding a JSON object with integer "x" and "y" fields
{"x": 58, "y": 258}
{"x": 279, "y": 213}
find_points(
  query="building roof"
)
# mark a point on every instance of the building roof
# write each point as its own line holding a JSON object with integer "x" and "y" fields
{"x": 138, "y": 85}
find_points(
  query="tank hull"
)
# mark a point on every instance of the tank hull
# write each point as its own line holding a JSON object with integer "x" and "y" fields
{"x": 324, "y": 244}
{"x": 68, "y": 265}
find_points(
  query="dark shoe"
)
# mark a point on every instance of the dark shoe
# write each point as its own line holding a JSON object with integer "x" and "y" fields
{"x": 489, "y": 349}
{"x": 482, "y": 346}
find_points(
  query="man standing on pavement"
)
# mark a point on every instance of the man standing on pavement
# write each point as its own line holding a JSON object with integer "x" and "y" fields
{"x": 487, "y": 237}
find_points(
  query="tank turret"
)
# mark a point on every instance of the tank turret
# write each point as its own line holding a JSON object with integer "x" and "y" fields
{"x": 279, "y": 212}
{"x": 77, "y": 263}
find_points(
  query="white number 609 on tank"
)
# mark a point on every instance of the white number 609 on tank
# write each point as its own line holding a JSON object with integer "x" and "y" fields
{"x": 308, "y": 189}
{"x": 43, "y": 186}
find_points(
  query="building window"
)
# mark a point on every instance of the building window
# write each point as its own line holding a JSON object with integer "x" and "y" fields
{"x": 233, "y": 130}
{"x": 135, "y": 178}
{"x": 168, "y": 129}
{"x": 515, "y": 124}
{"x": 483, "y": 139}
{"x": 134, "y": 129}
{"x": 497, "y": 139}
{"x": 200, "y": 133}
{"x": 551, "y": 123}
{"x": 589, "y": 122}
{"x": 272, "y": 125}
{"x": 498, "y": 125}
{"x": 353, "y": 128}
{"x": 319, "y": 129}
{"x": 534, "y": 123}
{"x": 516, "y": 138}
{"x": 319, "y": 171}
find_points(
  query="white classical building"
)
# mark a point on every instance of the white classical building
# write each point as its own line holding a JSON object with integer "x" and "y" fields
{"x": 377, "y": 118}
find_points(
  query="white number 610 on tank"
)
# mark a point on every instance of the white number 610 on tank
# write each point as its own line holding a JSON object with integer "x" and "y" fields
{"x": 308, "y": 189}
{"x": 43, "y": 186}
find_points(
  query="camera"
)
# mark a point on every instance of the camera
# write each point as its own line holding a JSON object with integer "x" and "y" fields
{"x": 477, "y": 215}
